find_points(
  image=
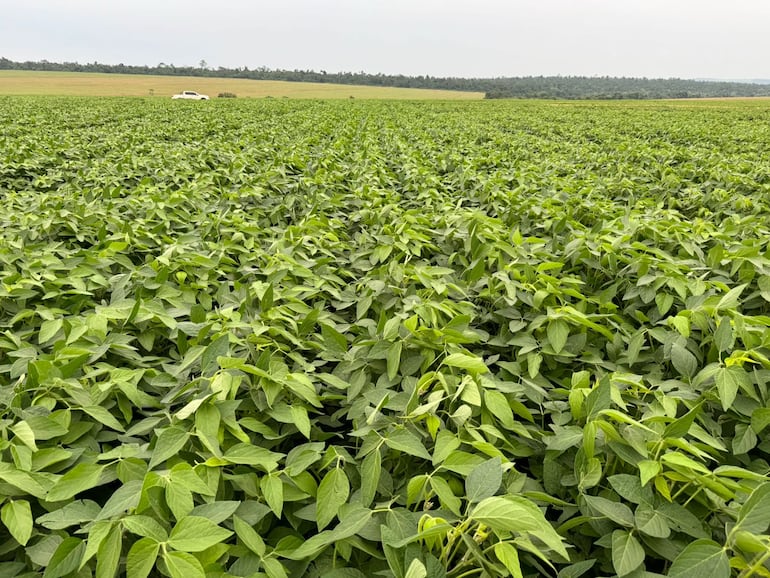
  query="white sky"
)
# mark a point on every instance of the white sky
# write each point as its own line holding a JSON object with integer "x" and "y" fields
{"x": 482, "y": 38}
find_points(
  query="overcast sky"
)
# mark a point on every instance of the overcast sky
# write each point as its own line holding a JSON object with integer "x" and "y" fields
{"x": 482, "y": 38}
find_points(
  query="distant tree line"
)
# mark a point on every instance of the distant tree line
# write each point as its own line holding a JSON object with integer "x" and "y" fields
{"x": 552, "y": 87}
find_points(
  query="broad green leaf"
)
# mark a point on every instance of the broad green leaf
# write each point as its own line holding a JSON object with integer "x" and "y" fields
{"x": 599, "y": 399}
{"x": 250, "y": 538}
{"x": 416, "y": 569}
{"x": 354, "y": 518}
{"x": 251, "y": 455}
{"x": 195, "y": 534}
{"x": 334, "y": 341}
{"x": 683, "y": 360}
{"x": 179, "y": 500}
{"x": 498, "y": 405}
{"x": 272, "y": 490}
{"x": 217, "y": 348}
{"x": 66, "y": 558}
{"x": 183, "y": 565}
{"x": 744, "y": 439}
{"x": 760, "y": 419}
{"x": 185, "y": 476}
{"x": 729, "y": 380}
{"x": 123, "y": 499}
{"x": 274, "y": 568}
{"x": 517, "y": 514}
{"x": 701, "y": 558}
{"x": 76, "y": 512}
{"x": 169, "y": 443}
{"x": 393, "y": 359}
{"x": 730, "y": 299}
{"x": 109, "y": 553}
{"x": 723, "y": 336}
{"x": 301, "y": 419}
{"x": 627, "y": 552}
{"x": 507, "y": 514}
{"x": 576, "y": 570}
{"x": 509, "y": 556}
{"x": 16, "y": 515}
{"x": 103, "y": 416}
{"x": 79, "y": 479}
{"x": 557, "y": 332}
{"x": 371, "y": 469}
{"x": 472, "y": 364}
{"x": 405, "y": 441}
{"x": 218, "y": 511}
{"x": 445, "y": 494}
{"x": 664, "y": 301}
{"x": 141, "y": 558}
{"x": 754, "y": 515}
{"x": 650, "y": 522}
{"x": 333, "y": 492}
{"x": 615, "y": 511}
{"x": 97, "y": 533}
{"x": 484, "y": 480}
{"x": 25, "y": 434}
{"x": 446, "y": 444}
{"x": 49, "y": 329}
{"x": 145, "y": 526}
{"x": 681, "y": 426}
{"x": 648, "y": 469}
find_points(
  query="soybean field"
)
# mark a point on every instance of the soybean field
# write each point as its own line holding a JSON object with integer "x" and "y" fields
{"x": 344, "y": 339}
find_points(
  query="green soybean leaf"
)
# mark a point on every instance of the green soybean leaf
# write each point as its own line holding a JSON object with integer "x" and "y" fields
{"x": 66, "y": 558}
{"x": 509, "y": 556}
{"x": 195, "y": 534}
{"x": 371, "y": 469}
{"x": 169, "y": 443}
{"x": 272, "y": 490}
{"x": 650, "y": 522}
{"x": 754, "y": 515}
{"x": 16, "y": 515}
{"x": 627, "y": 552}
{"x": 723, "y": 336}
{"x": 683, "y": 360}
{"x": 416, "y": 569}
{"x": 393, "y": 359}
{"x": 141, "y": 558}
{"x": 333, "y": 492}
{"x": 79, "y": 479}
{"x": 445, "y": 494}
{"x": 183, "y": 565}
{"x": 729, "y": 380}
{"x": 472, "y": 364}
{"x": 145, "y": 526}
{"x": 484, "y": 480}
{"x": 49, "y": 329}
{"x": 250, "y": 538}
{"x": 615, "y": 511}
{"x": 507, "y": 514}
{"x": 251, "y": 455}
{"x": 557, "y": 332}
{"x": 730, "y": 299}
{"x": 274, "y": 568}
{"x": 217, "y": 348}
{"x": 109, "y": 553}
{"x": 405, "y": 441}
{"x": 701, "y": 558}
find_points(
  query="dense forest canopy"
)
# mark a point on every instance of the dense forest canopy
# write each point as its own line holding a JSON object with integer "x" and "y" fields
{"x": 556, "y": 87}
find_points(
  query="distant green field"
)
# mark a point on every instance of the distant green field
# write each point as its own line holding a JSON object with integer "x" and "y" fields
{"x": 33, "y": 83}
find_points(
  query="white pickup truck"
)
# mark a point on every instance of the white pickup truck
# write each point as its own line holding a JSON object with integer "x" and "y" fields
{"x": 190, "y": 95}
